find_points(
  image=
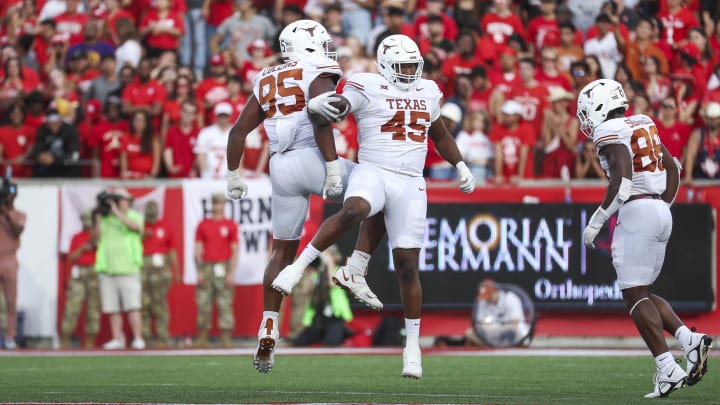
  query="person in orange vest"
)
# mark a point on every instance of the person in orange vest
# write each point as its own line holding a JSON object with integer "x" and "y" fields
{"x": 159, "y": 270}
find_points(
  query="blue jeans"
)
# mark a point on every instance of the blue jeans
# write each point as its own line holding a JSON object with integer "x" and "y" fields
{"x": 210, "y": 31}
{"x": 194, "y": 36}
{"x": 358, "y": 23}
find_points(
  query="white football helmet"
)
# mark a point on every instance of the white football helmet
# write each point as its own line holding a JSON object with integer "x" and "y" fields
{"x": 596, "y": 100}
{"x": 394, "y": 53}
{"x": 305, "y": 39}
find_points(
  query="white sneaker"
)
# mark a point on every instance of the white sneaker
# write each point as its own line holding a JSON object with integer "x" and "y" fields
{"x": 287, "y": 278}
{"x": 412, "y": 367}
{"x": 357, "y": 286}
{"x": 114, "y": 345}
{"x": 138, "y": 344}
{"x": 697, "y": 354}
{"x": 264, "y": 358}
{"x": 668, "y": 380}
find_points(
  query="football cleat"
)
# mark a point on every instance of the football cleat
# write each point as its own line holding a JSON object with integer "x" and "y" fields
{"x": 357, "y": 286}
{"x": 697, "y": 355}
{"x": 287, "y": 278}
{"x": 668, "y": 380}
{"x": 412, "y": 367}
{"x": 264, "y": 357}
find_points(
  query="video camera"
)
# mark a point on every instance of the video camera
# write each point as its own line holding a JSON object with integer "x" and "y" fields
{"x": 103, "y": 202}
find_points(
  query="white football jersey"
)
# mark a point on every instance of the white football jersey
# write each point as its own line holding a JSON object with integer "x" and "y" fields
{"x": 283, "y": 91}
{"x": 212, "y": 142}
{"x": 393, "y": 124}
{"x": 640, "y": 135}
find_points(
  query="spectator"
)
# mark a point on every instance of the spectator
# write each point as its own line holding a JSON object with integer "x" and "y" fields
{"x": 16, "y": 142}
{"x": 181, "y": 93}
{"x": 129, "y": 50}
{"x": 559, "y": 135}
{"x": 463, "y": 61}
{"x": 549, "y": 75}
{"x": 215, "y": 12}
{"x": 461, "y": 98}
{"x": 83, "y": 286}
{"x": 140, "y": 149}
{"x": 56, "y": 149}
{"x": 437, "y": 8}
{"x": 236, "y": 97}
{"x": 113, "y": 13}
{"x": 580, "y": 72}
{"x": 332, "y": 20}
{"x": 436, "y": 40}
{"x": 703, "y": 153}
{"x": 80, "y": 74}
{"x": 212, "y": 143}
{"x": 144, "y": 94}
{"x": 72, "y": 21}
{"x": 45, "y": 36}
{"x": 193, "y": 47}
{"x": 212, "y": 89}
{"x": 481, "y": 90}
{"x": 686, "y": 96}
{"x": 543, "y": 26}
{"x": 357, "y": 18}
{"x": 706, "y": 61}
{"x": 512, "y": 140}
{"x": 118, "y": 260}
{"x": 243, "y": 27}
{"x": 604, "y": 47}
{"x": 12, "y": 224}
{"x": 14, "y": 84}
{"x": 109, "y": 134}
{"x": 657, "y": 85}
{"x": 476, "y": 148}
{"x": 107, "y": 83}
{"x": 501, "y": 22}
{"x": 674, "y": 134}
{"x": 260, "y": 57}
{"x": 623, "y": 75}
{"x": 393, "y": 23}
{"x": 588, "y": 164}
{"x": 503, "y": 80}
{"x": 216, "y": 247}
{"x": 92, "y": 44}
{"x": 595, "y": 68}
{"x": 160, "y": 269}
{"x": 637, "y": 52}
{"x": 567, "y": 50}
{"x": 161, "y": 29}
{"x": 35, "y": 110}
{"x": 640, "y": 104}
{"x": 328, "y": 309}
{"x": 499, "y": 317}
{"x": 436, "y": 166}
{"x": 677, "y": 20}
{"x": 181, "y": 138}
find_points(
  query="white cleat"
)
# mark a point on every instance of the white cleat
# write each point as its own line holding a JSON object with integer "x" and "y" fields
{"x": 287, "y": 278}
{"x": 264, "y": 358}
{"x": 357, "y": 286}
{"x": 668, "y": 380}
{"x": 412, "y": 358}
{"x": 697, "y": 355}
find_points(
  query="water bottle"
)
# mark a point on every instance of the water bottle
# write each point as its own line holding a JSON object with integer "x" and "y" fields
{"x": 565, "y": 176}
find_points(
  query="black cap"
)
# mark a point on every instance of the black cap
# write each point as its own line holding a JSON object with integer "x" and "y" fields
{"x": 79, "y": 54}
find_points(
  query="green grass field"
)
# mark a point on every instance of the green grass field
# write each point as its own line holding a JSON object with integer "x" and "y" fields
{"x": 342, "y": 378}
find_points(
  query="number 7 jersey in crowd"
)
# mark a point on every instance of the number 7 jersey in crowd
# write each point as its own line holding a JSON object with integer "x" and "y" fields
{"x": 282, "y": 91}
{"x": 640, "y": 135}
{"x": 393, "y": 124}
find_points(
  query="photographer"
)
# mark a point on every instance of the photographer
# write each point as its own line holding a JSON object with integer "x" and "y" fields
{"x": 12, "y": 223}
{"x": 119, "y": 259}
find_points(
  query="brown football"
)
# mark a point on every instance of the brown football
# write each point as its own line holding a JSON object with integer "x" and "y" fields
{"x": 340, "y": 102}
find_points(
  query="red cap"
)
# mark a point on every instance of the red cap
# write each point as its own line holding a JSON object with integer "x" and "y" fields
{"x": 508, "y": 50}
{"x": 257, "y": 44}
{"x": 217, "y": 60}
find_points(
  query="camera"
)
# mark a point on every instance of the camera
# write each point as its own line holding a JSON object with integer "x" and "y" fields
{"x": 103, "y": 202}
{"x": 7, "y": 190}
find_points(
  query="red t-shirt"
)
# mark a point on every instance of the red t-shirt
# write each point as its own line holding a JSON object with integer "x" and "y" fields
{"x": 158, "y": 238}
{"x": 163, "y": 40}
{"x": 237, "y": 106}
{"x": 502, "y": 82}
{"x": 217, "y": 238}
{"x": 421, "y": 29}
{"x": 144, "y": 94}
{"x": 500, "y": 28}
{"x": 677, "y": 25}
{"x": 533, "y": 101}
{"x": 346, "y": 139}
{"x": 86, "y": 258}
{"x": 558, "y": 81}
{"x": 182, "y": 149}
{"x": 15, "y": 142}
{"x": 219, "y": 11}
{"x": 72, "y": 24}
{"x": 510, "y": 143}
{"x": 34, "y": 121}
{"x": 254, "y": 144}
{"x": 139, "y": 164}
{"x": 83, "y": 80}
{"x": 480, "y": 99}
{"x": 453, "y": 67}
{"x": 675, "y": 137}
{"x": 540, "y": 28}
{"x": 108, "y": 139}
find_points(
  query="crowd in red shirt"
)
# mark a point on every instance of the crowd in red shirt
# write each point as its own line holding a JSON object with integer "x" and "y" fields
{"x": 112, "y": 69}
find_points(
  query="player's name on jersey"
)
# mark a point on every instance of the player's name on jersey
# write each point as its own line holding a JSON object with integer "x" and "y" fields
{"x": 275, "y": 68}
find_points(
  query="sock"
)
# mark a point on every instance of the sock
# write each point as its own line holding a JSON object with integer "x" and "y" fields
{"x": 663, "y": 360}
{"x": 412, "y": 332}
{"x": 683, "y": 334}
{"x": 357, "y": 264}
{"x": 307, "y": 256}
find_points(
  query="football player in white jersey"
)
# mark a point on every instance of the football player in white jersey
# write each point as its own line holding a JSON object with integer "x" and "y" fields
{"x": 644, "y": 180}
{"x": 298, "y": 166}
{"x": 395, "y": 111}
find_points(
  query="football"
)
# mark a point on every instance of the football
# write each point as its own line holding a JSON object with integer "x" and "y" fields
{"x": 340, "y": 102}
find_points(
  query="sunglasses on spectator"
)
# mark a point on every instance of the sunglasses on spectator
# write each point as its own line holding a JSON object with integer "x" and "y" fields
{"x": 668, "y": 106}
{"x": 580, "y": 73}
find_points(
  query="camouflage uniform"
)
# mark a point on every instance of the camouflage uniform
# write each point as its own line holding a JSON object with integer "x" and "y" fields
{"x": 156, "y": 282}
{"x": 83, "y": 287}
{"x": 214, "y": 287}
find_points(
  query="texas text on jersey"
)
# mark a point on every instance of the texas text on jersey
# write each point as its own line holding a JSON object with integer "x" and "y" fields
{"x": 282, "y": 91}
{"x": 403, "y": 119}
{"x": 640, "y": 135}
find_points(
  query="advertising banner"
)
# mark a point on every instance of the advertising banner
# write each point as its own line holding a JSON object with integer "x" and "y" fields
{"x": 539, "y": 248}
{"x": 252, "y": 214}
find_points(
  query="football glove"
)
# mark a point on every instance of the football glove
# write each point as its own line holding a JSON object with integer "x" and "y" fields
{"x": 597, "y": 220}
{"x": 333, "y": 186}
{"x": 236, "y": 187}
{"x": 321, "y": 104}
{"x": 465, "y": 178}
